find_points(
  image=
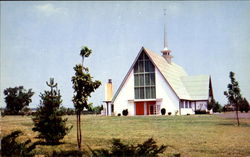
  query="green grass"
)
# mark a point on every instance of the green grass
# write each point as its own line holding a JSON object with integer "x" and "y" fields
{"x": 206, "y": 135}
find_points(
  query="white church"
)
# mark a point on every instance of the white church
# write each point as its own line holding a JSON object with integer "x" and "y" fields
{"x": 154, "y": 82}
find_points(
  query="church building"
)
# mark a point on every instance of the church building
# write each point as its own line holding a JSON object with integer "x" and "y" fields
{"x": 154, "y": 82}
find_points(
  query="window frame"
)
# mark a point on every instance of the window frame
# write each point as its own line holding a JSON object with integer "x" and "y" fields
{"x": 141, "y": 76}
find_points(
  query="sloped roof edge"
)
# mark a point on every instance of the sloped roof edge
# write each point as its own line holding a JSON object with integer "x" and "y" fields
{"x": 131, "y": 68}
{"x": 126, "y": 76}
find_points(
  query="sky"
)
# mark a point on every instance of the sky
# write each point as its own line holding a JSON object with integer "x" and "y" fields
{"x": 40, "y": 40}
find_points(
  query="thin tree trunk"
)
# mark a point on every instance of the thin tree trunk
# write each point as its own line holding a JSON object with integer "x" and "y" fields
{"x": 80, "y": 130}
{"x": 238, "y": 121}
{"x": 82, "y": 61}
{"x": 77, "y": 129}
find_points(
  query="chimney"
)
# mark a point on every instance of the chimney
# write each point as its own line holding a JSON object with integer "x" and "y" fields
{"x": 108, "y": 91}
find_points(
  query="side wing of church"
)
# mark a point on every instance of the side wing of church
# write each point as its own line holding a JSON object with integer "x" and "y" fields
{"x": 154, "y": 82}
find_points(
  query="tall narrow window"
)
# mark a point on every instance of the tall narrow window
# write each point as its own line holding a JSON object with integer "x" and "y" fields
{"x": 144, "y": 78}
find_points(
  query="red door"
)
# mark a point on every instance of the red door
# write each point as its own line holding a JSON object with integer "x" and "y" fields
{"x": 139, "y": 108}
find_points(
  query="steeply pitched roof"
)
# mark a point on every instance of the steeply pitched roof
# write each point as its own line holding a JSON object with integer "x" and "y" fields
{"x": 184, "y": 86}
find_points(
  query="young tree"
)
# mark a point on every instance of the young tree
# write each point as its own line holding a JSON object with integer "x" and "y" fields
{"x": 48, "y": 120}
{"x": 83, "y": 87}
{"x": 233, "y": 94}
{"x": 17, "y": 98}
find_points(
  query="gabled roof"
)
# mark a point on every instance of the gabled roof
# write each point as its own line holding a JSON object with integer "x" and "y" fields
{"x": 184, "y": 86}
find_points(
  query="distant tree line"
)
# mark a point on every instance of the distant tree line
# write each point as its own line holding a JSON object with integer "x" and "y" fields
{"x": 17, "y": 100}
{"x": 243, "y": 106}
{"x": 71, "y": 111}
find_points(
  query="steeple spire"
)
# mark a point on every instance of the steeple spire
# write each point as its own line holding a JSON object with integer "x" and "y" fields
{"x": 165, "y": 33}
{"x": 166, "y": 51}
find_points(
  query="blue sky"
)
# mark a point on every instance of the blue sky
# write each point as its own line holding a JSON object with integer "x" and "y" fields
{"x": 40, "y": 40}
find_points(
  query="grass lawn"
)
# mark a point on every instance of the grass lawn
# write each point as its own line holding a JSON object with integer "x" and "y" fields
{"x": 204, "y": 135}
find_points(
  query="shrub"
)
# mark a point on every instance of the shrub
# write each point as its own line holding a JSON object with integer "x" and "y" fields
{"x": 169, "y": 113}
{"x": 10, "y": 147}
{"x": 125, "y": 112}
{"x": 147, "y": 149}
{"x": 200, "y": 112}
{"x": 70, "y": 153}
{"x": 119, "y": 114}
{"x": 163, "y": 111}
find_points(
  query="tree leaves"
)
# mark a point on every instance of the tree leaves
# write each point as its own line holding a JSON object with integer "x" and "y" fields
{"x": 85, "y": 51}
{"x": 83, "y": 86}
{"x": 17, "y": 98}
{"x": 233, "y": 94}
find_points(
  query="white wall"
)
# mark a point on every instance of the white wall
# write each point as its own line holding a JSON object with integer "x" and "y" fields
{"x": 169, "y": 100}
{"x": 201, "y": 105}
{"x": 188, "y": 107}
{"x": 185, "y": 111}
{"x": 127, "y": 93}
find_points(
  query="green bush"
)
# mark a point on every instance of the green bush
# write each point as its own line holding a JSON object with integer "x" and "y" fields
{"x": 10, "y": 147}
{"x": 125, "y": 112}
{"x": 70, "y": 153}
{"x": 200, "y": 112}
{"x": 163, "y": 111}
{"x": 118, "y": 149}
